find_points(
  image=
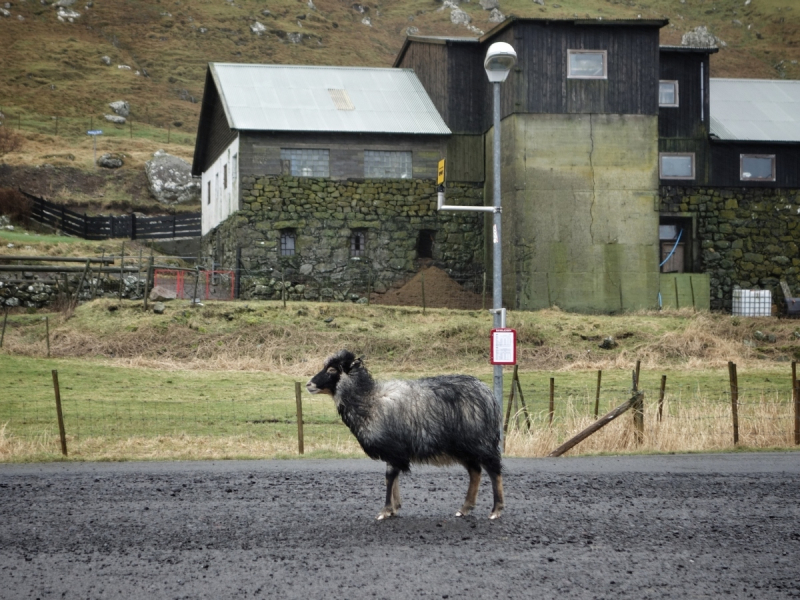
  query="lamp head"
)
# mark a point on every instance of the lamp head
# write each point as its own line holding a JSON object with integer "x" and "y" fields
{"x": 500, "y": 58}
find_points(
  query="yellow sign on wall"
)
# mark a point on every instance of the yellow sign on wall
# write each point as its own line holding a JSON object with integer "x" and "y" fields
{"x": 440, "y": 175}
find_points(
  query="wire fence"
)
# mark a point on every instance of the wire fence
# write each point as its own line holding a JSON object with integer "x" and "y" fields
{"x": 675, "y": 421}
{"x": 171, "y": 132}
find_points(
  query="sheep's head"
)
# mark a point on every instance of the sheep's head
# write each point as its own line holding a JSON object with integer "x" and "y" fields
{"x": 341, "y": 363}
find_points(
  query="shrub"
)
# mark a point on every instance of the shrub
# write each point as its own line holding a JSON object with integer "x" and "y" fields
{"x": 15, "y": 206}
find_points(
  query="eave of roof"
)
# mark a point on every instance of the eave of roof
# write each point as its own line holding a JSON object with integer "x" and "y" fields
{"x": 689, "y": 49}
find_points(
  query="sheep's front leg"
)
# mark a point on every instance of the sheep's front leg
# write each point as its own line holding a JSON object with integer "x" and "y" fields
{"x": 472, "y": 491}
{"x": 392, "y": 493}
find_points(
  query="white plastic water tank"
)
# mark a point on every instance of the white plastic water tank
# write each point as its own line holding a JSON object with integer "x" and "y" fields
{"x": 752, "y": 303}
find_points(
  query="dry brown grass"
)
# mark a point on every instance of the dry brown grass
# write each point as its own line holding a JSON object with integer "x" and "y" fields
{"x": 701, "y": 425}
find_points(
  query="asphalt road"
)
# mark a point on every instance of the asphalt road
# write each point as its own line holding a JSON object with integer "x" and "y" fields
{"x": 716, "y": 526}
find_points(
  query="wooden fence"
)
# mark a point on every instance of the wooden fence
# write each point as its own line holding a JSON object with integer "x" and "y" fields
{"x": 102, "y": 228}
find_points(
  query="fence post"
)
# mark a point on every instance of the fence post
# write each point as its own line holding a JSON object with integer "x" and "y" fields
{"x": 238, "y": 273}
{"x": 734, "y": 382}
{"x": 86, "y": 228}
{"x": 121, "y": 272}
{"x": 174, "y": 226}
{"x": 661, "y": 396}
{"x": 133, "y": 226}
{"x": 638, "y": 407}
{"x": 422, "y": 281}
{"x": 47, "y": 334}
{"x": 3, "y": 334}
{"x": 147, "y": 281}
{"x": 597, "y": 396}
{"x": 521, "y": 398}
{"x": 552, "y": 401}
{"x": 61, "y": 431}
{"x": 796, "y": 398}
{"x": 299, "y": 397}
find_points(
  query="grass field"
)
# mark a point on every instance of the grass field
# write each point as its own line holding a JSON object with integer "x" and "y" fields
{"x": 219, "y": 382}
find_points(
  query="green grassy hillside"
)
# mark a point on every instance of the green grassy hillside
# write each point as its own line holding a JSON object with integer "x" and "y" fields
{"x": 54, "y": 85}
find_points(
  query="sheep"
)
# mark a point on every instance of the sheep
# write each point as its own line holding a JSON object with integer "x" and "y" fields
{"x": 436, "y": 420}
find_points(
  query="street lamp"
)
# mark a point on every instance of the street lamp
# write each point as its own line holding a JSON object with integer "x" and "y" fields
{"x": 498, "y": 63}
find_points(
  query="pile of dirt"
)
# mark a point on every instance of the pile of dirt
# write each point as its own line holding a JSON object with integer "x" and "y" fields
{"x": 439, "y": 291}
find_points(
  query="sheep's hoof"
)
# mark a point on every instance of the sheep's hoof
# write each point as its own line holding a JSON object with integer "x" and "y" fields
{"x": 464, "y": 511}
{"x": 384, "y": 514}
{"x": 495, "y": 515}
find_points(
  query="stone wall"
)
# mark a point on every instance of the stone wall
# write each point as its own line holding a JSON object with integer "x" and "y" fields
{"x": 323, "y": 214}
{"x": 28, "y": 291}
{"x": 748, "y": 237}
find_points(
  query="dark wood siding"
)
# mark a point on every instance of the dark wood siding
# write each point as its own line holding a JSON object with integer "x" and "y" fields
{"x": 467, "y": 87}
{"x": 690, "y": 118}
{"x": 725, "y": 162}
{"x": 465, "y": 158}
{"x": 430, "y": 64}
{"x": 213, "y": 132}
{"x": 259, "y": 152}
{"x": 541, "y": 74}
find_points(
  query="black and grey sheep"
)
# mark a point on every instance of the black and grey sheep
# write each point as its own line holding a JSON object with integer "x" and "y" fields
{"x": 436, "y": 420}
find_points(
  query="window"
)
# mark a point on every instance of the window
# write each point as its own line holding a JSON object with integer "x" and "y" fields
{"x": 307, "y": 162}
{"x": 757, "y": 167}
{"x": 387, "y": 165}
{"x": 225, "y": 177}
{"x": 358, "y": 243}
{"x": 673, "y": 165}
{"x": 668, "y": 93}
{"x": 425, "y": 241}
{"x": 587, "y": 64}
{"x": 287, "y": 242}
{"x": 209, "y": 193}
{"x": 234, "y": 168}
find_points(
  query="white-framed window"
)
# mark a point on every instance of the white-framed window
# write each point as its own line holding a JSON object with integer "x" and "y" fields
{"x": 379, "y": 164}
{"x": 757, "y": 167}
{"x": 225, "y": 177}
{"x": 358, "y": 242}
{"x": 668, "y": 93}
{"x": 676, "y": 165}
{"x": 307, "y": 162}
{"x": 587, "y": 64}
{"x": 288, "y": 239}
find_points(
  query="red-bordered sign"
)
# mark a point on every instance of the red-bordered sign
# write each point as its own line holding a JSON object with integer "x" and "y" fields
{"x": 504, "y": 347}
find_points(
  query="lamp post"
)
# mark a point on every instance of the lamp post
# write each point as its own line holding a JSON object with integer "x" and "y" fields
{"x": 500, "y": 59}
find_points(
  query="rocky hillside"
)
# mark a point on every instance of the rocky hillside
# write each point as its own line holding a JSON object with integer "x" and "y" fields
{"x": 62, "y": 62}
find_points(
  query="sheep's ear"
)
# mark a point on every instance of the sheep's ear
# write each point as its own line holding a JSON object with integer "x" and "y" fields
{"x": 357, "y": 363}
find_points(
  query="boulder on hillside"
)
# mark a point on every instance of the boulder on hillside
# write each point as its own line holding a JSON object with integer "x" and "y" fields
{"x": 489, "y": 4}
{"x": 110, "y": 161}
{"x": 122, "y": 108}
{"x": 106, "y": 60}
{"x": 115, "y": 119}
{"x": 170, "y": 179}
{"x": 700, "y": 37}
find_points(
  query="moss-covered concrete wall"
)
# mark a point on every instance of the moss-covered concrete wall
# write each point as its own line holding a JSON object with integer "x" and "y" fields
{"x": 323, "y": 213}
{"x": 749, "y": 237}
{"x": 580, "y": 211}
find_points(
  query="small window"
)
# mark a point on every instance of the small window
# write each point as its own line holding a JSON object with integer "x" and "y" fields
{"x": 358, "y": 243}
{"x": 757, "y": 167}
{"x": 208, "y": 195}
{"x": 425, "y": 243}
{"x": 587, "y": 64}
{"x": 307, "y": 162}
{"x": 668, "y": 93}
{"x": 387, "y": 165}
{"x": 234, "y": 168}
{"x": 673, "y": 165}
{"x": 287, "y": 242}
{"x": 224, "y": 177}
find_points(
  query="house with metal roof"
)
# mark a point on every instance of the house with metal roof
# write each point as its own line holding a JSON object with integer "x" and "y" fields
{"x": 309, "y": 121}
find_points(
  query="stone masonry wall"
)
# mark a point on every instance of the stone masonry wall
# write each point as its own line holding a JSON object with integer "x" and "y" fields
{"x": 323, "y": 213}
{"x": 749, "y": 237}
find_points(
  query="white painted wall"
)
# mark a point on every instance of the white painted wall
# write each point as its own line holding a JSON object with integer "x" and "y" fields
{"x": 221, "y": 201}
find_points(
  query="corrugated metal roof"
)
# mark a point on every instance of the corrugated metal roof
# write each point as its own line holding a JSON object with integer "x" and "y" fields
{"x": 763, "y": 110}
{"x": 298, "y": 98}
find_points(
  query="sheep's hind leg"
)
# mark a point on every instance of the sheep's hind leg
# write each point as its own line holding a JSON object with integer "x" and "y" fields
{"x": 472, "y": 491}
{"x": 392, "y": 492}
{"x": 499, "y": 500}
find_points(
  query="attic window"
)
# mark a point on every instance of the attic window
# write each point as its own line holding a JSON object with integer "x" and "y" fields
{"x": 341, "y": 100}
